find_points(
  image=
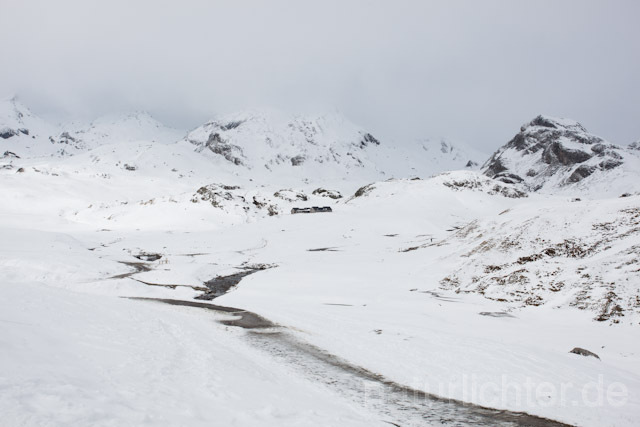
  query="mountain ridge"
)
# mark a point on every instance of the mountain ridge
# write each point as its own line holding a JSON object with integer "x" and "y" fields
{"x": 548, "y": 154}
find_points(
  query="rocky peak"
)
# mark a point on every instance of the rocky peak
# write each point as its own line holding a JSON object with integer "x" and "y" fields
{"x": 554, "y": 123}
{"x": 551, "y": 134}
{"x": 552, "y": 151}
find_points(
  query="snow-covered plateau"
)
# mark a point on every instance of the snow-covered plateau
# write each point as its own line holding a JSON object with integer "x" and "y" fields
{"x": 150, "y": 276}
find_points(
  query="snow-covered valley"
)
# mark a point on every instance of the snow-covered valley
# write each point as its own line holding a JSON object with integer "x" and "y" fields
{"x": 431, "y": 275}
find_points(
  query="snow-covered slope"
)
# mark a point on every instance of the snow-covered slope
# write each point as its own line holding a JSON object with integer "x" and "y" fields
{"x": 559, "y": 155}
{"x": 363, "y": 282}
{"x": 80, "y": 360}
{"x": 425, "y": 157}
{"x": 114, "y": 128}
{"x": 558, "y": 253}
{"x": 452, "y": 155}
{"x": 533, "y": 250}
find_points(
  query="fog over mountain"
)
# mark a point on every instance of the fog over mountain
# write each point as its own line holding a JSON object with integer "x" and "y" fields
{"x": 466, "y": 70}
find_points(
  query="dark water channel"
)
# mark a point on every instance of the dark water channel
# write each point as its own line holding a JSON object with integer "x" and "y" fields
{"x": 394, "y": 403}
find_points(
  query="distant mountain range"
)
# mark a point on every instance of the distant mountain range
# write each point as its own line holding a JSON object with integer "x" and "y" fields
{"x": 266, "y": 145}
{"x": 548, "y": 154}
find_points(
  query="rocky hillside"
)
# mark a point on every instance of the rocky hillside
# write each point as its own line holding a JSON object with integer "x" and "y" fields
{"x": 581, "y": 254}
{"x": 553, "y": 155}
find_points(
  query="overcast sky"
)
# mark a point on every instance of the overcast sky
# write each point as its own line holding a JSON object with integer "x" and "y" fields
{"x": 470, "y": 70}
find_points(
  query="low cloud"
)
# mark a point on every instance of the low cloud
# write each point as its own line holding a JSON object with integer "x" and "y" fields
{"x": 473, "y": 71}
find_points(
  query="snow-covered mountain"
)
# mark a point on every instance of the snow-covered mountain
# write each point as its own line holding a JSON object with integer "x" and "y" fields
{"x": 271, "y": 139}
{"x": 316, "y": 148}
{"x": 24, "y": 134}
{"x": 113, "y": 128}
{"x": 548, "y": 154}
{"x": 559, "y": 155}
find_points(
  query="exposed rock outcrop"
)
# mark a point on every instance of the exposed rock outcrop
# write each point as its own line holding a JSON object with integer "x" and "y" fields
{"x": 291, "y": 195}
{"x": 332, "y": 194}
{"x": 7, "y": 133}
{"x": 297, "y": 160}
{"x": 471, "y": 164}
{"x": 10, "y": 154}
{"x": 583, "y": 352}
{"x": 367, "y": 139}
{"x": 216, "y": 194}
{"x": 230, "y": 152}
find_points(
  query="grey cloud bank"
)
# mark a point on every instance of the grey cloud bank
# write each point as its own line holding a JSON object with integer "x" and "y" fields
{"x": 470, "y": 70}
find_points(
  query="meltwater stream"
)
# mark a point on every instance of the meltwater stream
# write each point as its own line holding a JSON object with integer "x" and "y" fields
{"x": 394, "y": 403}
